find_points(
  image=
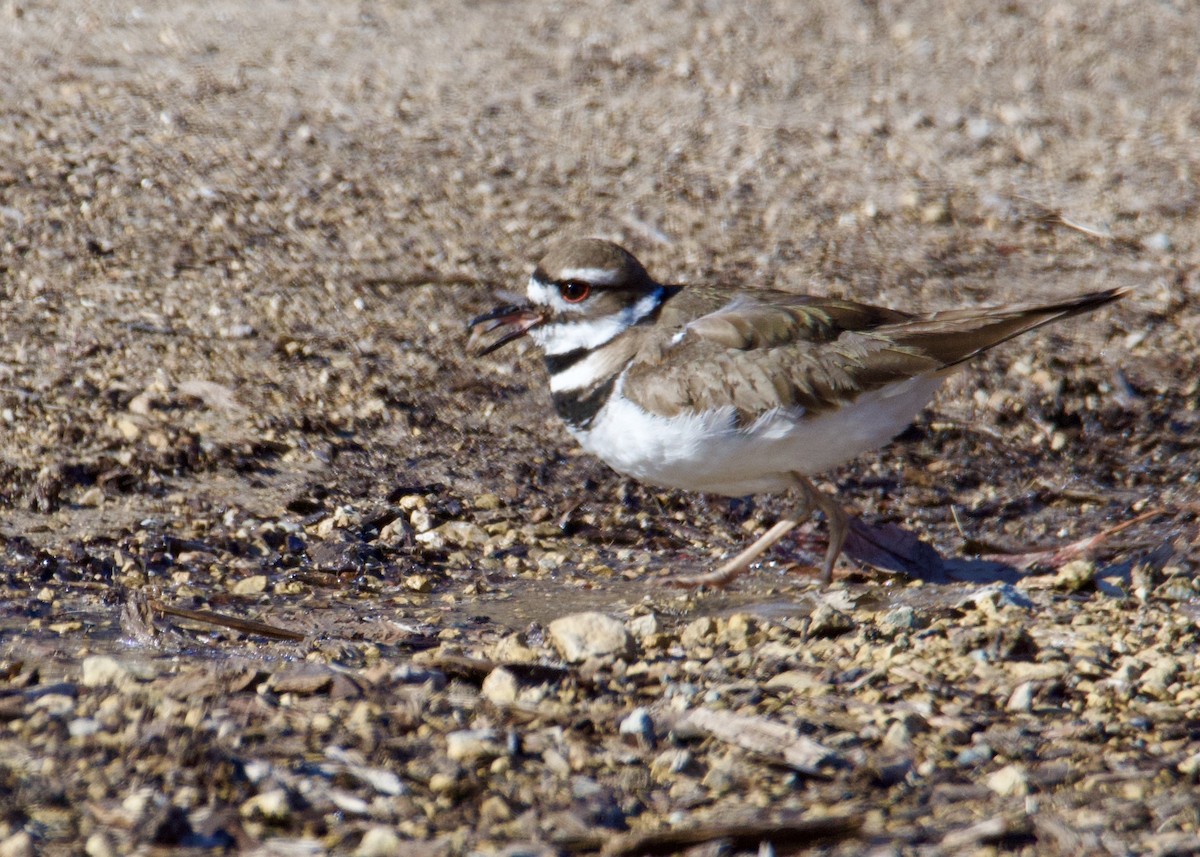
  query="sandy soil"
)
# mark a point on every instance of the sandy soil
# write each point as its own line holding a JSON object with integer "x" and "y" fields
{"x": 238, "y": 245}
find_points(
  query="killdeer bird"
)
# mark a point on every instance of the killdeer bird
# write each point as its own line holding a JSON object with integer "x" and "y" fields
{"x": 738, "y": 391}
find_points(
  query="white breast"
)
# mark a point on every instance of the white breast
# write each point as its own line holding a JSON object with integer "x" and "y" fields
{"x": 708, "y": 452}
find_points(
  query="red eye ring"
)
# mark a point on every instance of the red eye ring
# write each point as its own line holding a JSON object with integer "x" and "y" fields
{"x": 574, "y": 291}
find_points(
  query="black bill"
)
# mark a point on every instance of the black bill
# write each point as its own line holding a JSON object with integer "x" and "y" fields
{"x": 516, "y": 320}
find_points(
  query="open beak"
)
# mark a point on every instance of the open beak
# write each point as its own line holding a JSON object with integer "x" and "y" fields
{"x": 517, "y": 320}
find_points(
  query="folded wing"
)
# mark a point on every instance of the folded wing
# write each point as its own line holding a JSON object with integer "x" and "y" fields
{"x": 772, "y": 350}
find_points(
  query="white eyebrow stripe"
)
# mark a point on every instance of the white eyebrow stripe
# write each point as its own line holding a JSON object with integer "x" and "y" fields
{"x": 599, "y": 276}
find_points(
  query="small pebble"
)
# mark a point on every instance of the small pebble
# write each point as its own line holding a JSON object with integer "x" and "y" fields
{"x": 1021, "y": 699}
{"x": 461, "y": 534}
{"x": 128, "y": 429}
{"x": 970, "y": 757}
{"x": 99, "y": 844}
{"x": 1076, "y": 576}
{"x": 641, "y": 627}
{"x": 697, "y": 632}
{"x": 252, "y": 585}
{"x": 82, "y": 727}
{"x": 1190, "y": 766}
{"x": 467, "y": 745}
{"x": 380, "y": 842}
{"x": 825, "y": 621}
{"x": 1157, "y": 680}
{"x": 979, "y": 128}
{"x": 581, "y": 636}
{"x": 500, "y": 687}
{"x": 666, "y": 764}
{"x": 639, "y": 725}
{"x": 20, "y": 844}
{"x": 273, "y": 806}
{"x": 347, "y": 802}
{"x": 900, "y": 617}
{"x": 102, "y": 670}
{"x": 494, "y": 810}
{"x": 1009, "y": 780}
{"x": 1159, "y": 242}
{"x": 898, "y": 736}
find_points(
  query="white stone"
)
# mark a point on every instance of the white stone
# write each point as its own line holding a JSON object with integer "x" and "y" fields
{"x": 588, "y": 635}
{"x": 380, "y": 842}
{"x": 20, "y": 844}
{"x": 469, "y": 744}
{"x": 640, "y": 726}
{"x": 1021, "y": 698}
{"x": 500, "y": 687}
{"x": 103, "y": 670}
{"x": 643, "y": 626}
{"x": 270, "y": 805}
{"x": 1008, "y": 781}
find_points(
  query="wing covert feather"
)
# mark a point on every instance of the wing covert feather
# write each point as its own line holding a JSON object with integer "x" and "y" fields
{"x": 814, "y": 376}
{"x": 769, "y": 319}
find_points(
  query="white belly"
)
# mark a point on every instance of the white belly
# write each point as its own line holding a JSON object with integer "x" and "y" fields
{"x": 707, "y": 452}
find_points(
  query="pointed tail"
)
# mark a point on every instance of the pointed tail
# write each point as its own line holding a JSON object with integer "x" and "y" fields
{"x": 957, "y": 335}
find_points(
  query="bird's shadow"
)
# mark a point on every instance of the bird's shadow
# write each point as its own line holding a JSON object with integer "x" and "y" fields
{"x": 893, "y": 549}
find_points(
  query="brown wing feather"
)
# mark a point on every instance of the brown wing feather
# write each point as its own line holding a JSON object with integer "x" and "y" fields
{"x": 777, "y": 350}
{"x": 764, "y": 350}
{"x": 767, "y": 319}
{"x": 814, "y": 376}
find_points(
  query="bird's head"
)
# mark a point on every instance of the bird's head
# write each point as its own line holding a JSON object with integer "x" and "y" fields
{"x": 582, "y": 294}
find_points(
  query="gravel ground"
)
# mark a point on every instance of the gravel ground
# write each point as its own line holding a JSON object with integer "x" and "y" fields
{"x": 283, "y": 571}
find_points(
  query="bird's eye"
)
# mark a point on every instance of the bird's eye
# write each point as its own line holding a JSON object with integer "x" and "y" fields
{"x": 574, "y": 291}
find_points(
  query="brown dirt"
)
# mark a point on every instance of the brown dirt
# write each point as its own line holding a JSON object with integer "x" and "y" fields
{"x": 238, "y": 243}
